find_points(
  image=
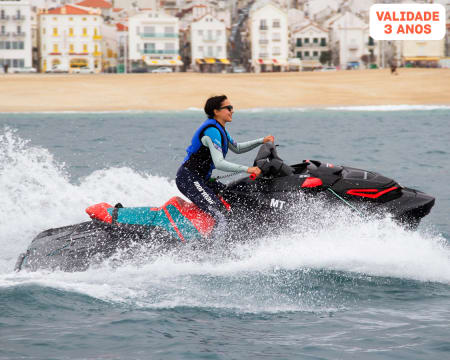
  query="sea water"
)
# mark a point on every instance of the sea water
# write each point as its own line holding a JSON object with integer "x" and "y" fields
{"x": 333, "y": 287}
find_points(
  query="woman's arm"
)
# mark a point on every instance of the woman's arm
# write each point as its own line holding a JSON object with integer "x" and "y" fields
{"x": 243, "y": 147}
{"x": 217, "y": 156}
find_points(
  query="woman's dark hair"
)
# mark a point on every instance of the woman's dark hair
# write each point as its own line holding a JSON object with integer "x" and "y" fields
{"x": 214, "y": 103}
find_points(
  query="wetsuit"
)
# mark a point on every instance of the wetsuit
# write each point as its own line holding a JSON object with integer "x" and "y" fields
{"x": 207, "y": 151}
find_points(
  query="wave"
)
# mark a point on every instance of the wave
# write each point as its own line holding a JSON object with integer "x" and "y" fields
{"x": 389, "y": 108}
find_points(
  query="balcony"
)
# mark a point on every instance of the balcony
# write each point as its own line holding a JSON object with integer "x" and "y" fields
{"x": 278, "y": 53}
{"x": 263, "y": 41}
{"x": 263, "y": 55}
{"x": 162, "y": 52}
{"x": 97, "y": 37}
{"x": 18, "y": 34}
{"x": 18, "y": 17}
{"x": 158, "y": 35}
{"x": 276, "y": 40}
{"x": 263, "y": 27}
{"x": 353, "y": 47}
{"x": 4, "y": 18}
{"x": 97, "y": 53}
{"x": 4, "y": 35}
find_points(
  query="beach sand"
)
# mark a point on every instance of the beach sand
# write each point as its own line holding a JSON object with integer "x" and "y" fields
{"x": 180, "y": 91}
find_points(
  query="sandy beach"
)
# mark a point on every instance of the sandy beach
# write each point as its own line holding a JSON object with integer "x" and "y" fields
{"x": 179, "y": 91}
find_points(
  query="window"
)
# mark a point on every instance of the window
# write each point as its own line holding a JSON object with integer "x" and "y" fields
{"x": 210, "y": 51}
{"x": 149, "y": 30}
{"x": 2, "y": 44}
{"x": 85, "y": 48}
{"x": 84, "y": 31}
{"x": 71, "y": 19}
{"x": 2, "y": 14}
{"x": 84, "y": 19}
{"x": 169, "y": 30}
{"x": 315, "y": 53}
{"x": 210, "y": 36}
{"x": 70, "y": 31}
{"x": 55, "y": 19}
{"x": 21, "y": 45}
{"x": 315, "y": 40}
{"x": 323, "y": 42}
{"x": 3, "y": 29}
{"x": 263, "y": 24}
{"x": 95, "y": 32}
{"x": 43, "y": 31}
{"x": 169, "y": 46}
{"x": 55, "y": 31}
{"x": 299, "y": 42}
{"x": 276, "y": 50}
{"x": 306, "y": 54}
{"x": 218, "y": 33}
{"x": 219, "y": 50}
{"x": 96, "y": 48}
{"x": 19, "y": 29}
{"x": 200, "y": 33}
{"x": 200, "y": 49}
{"x": 71, "y": 48}
{"x": 306, "y": 40}
{"x": 276, "y": 36}
{"x": 55, "y": 48}
{"x": 299, "y": 54}
{"x": 276, "y": 23}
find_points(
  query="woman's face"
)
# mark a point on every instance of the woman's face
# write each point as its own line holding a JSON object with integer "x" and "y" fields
{"x": 225, "y": 113}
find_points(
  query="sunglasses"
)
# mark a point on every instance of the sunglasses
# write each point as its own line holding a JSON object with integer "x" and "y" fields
{"x": 229, "y": 107}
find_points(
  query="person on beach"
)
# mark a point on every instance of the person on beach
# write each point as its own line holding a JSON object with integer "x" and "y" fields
{"x": 208, "y": 149}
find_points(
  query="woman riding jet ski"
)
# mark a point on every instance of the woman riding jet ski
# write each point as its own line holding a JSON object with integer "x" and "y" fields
{"x": 208, "y": 149}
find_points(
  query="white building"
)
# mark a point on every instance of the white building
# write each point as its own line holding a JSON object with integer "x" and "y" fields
{"x": 69, "y": 38}
{"x": 105, "y": 7}
{"x": 310, "y": 42}
{"x": 153, "y": 39}
{"x": 269, "y": 38}
{"x": 15, "y": 34}
{"x": 349, "y": 39}
{"x": 208, "y": 44}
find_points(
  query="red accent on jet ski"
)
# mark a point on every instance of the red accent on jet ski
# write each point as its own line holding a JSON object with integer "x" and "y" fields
{"x": 202, "y": 221}
{"x": 252, "y": 176}
{"x": 100, "y": 212}
{"x": 175, "y": 227}
{"x": 312, "y": 182}
{"x": 227, "y": 206}
{"x": 370, "y": 193}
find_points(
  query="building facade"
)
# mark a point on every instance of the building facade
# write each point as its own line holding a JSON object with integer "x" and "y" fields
{"x": 70, "y": 38}
{"x": 310, "y": 44}
{"x": 208, "y": 44}
{"x": 153, "y": 40}
{"x": 15, "y": 35}
{"x": 269, "y": 38}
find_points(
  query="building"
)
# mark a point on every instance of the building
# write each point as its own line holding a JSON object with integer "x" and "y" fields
{"x": 122, "y": 36}
{"x": 15, "y": 35}
{"x": 422, "y": 53}
{"x": 208, "y": 44}
{"x": 153, "y": 40}
{"x": 311, "y": 45}
{"x": 349, "y": 39}
{"x": 269, "y": 38}
{"x": 70, "y": 38}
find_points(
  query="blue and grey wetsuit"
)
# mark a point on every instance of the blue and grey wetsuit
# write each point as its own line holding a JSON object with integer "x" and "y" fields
{"x": 207, "y": 151}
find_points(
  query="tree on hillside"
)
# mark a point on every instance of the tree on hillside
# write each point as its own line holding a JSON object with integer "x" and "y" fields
{"x": 325, "y": 57}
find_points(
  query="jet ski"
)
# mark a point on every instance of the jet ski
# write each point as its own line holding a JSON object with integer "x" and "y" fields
{"x": 262, "y": 201}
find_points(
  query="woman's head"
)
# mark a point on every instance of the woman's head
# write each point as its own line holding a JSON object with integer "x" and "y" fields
{"x": 219, "y": 108}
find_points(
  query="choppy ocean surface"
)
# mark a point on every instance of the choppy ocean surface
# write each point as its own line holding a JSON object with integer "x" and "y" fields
{"x": 347, "y": 289}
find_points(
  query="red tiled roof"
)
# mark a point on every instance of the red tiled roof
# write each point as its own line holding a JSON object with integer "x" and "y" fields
{"x": 121, "y": 27}
{"x": 117, "y": 9}
{"x": 96, "y": 4}
{"x": 68, "y": 10}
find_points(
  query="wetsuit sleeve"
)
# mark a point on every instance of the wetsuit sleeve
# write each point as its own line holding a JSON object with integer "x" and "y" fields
{"x": 217, "y": 156}
{"x": 243, "y": 147}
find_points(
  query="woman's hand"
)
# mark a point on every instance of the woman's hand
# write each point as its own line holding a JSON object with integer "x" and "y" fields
{"x": 254, "y": 170}
{"x": 269, "y": 138}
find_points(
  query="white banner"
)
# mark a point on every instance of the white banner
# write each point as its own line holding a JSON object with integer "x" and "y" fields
{"x": 407, "y": 21}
